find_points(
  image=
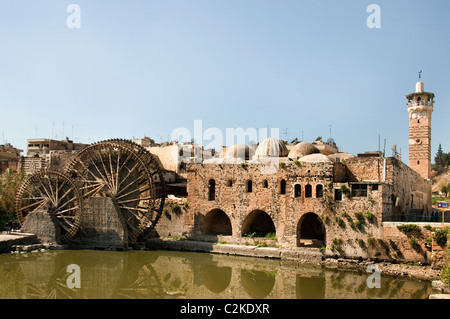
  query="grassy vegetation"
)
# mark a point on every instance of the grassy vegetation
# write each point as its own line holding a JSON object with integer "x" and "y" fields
{"x": 9, "y": 184}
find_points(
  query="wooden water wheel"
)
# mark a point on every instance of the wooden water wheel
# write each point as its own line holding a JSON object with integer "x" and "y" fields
{"x": 127, "y": 173}
{"x": 54, "y": 192}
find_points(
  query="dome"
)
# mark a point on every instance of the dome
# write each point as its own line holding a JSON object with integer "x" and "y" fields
{"x": 272, "y": 147}
{"x": 302, "y": 149}
{"x": 238, "y": 151}
{"x": 315, "y": 158}
{"x": 340, "y": 156}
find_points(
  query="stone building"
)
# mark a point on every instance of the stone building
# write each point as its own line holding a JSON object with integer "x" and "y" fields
{"x": 9, "y": 157}
{"x": 308, "y": 194}
{"x": 45, "y": 153}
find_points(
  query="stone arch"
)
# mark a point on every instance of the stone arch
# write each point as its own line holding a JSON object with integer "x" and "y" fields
{"x": 216, "y": 222}
{"x": 258, "y": 222}
{"x": 311, "y": 231}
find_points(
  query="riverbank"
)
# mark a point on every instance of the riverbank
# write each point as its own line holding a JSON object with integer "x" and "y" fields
{"x": 300, "y": 254}
{"x": 9, "y": 242}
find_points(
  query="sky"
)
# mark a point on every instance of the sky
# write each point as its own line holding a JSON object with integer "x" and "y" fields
{"x": 140, "y": 68}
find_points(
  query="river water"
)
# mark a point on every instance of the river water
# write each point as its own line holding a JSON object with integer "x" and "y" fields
{"x": 170, "y": 274}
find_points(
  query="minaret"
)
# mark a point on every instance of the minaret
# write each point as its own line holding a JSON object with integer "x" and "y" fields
{"x": 420, "y": 107}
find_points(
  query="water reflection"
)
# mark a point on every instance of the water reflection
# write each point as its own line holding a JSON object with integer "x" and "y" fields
{"x": 163, "y": 274}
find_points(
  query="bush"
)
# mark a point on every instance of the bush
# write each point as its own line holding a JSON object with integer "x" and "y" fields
{"x": 361, "y": 243}
{"x": 370, "y": 217}
{"x": 345, "y": 190}
{"x": 445, "y": 275}
{"x": 441, "y": 237}
{"x": 340, "y": 221}
{"x": 175, "y": 208}
{"x": 407, "y": 228}
{"x": 9, "y": 184}
{"x": 359, "y": 216}
{"x": 272, "y": 235}
{"x": 414, "y": 244}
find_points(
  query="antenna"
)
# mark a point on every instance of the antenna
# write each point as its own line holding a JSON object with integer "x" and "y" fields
{"x": 330, "y": 129}
{"x": 285, "y": 132}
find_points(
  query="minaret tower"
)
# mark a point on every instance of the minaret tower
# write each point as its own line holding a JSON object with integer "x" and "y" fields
{"x": 420, "y": 107}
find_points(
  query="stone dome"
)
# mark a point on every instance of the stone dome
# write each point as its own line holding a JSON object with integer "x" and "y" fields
{"x": 302, "y": 149}
{"x": 271, "y": 147}
{"x": 315, "y": 158}
{"x": 338, "y": 157}
{"x": 239, "y": 151}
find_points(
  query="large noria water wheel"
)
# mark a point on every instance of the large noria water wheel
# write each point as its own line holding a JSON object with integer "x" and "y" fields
{"x": 53, "y": 192}
{"x": 127, "y": 173}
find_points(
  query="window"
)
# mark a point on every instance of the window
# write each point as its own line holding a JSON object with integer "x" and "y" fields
{"x": 212, "y": 189}
{"x": 337, "y": 194}
{"x": 230, "y": 183}
{"x": 265, "y": 183}
{"x": 375, "y": 187}
{"x": 249, "y": 186}
{"x": 297, "y": 190}
{"x": 359, "y": 190}
{"x": 308, "y": 190}
{"x": 283, "y": 187}
{"x": 319, "y": 191}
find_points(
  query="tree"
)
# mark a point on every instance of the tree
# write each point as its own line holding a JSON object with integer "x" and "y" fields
{"x": 444, "y": 190}
{"x": 438, "y": 158}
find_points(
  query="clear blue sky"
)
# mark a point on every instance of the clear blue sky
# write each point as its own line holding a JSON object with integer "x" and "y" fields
{"x": 144, "y": 67}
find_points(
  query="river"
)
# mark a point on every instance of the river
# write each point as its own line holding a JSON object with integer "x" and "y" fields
{"x": 96, "y": 274}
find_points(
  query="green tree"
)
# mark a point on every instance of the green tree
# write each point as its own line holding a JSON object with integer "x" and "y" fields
{"x": 438, "y": 158}
{"x": 444, "y": 190}
{"x": 9, "y": 184}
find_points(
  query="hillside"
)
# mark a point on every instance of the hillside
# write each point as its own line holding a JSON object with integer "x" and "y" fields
{"x": 439, "y": 181}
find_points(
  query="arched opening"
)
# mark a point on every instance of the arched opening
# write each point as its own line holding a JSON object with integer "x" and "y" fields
{"x": 212, "y": 189}
{"x": 216, "y": 222}
{"x": 297, "y": 190}
{"x": 310, "y": 231}
{"x": 249, "y": 186}
{"x": 319, "y": 191}
{"x": 308, "y": 190}
{"x": 258, "y": 224}
{"x": 283, "y": 187}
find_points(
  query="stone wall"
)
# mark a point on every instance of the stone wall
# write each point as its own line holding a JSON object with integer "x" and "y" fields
{"x": 246, "y": 201}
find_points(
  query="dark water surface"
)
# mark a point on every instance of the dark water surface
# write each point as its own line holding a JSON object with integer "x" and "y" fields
{"x": 169, "y": 274}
